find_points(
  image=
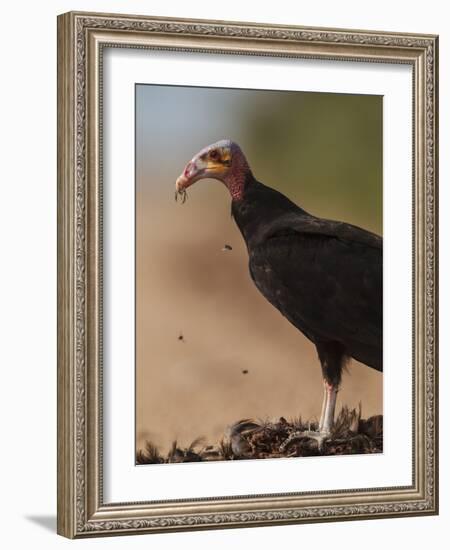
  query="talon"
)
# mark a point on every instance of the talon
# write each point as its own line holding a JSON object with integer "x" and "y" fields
{"x": 320, "y": 437}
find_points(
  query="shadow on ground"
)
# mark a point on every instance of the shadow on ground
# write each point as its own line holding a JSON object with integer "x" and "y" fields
{"x": 46, "y": 522}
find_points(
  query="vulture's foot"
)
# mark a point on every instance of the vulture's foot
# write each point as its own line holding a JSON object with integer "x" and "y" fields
{"x": 319, "y": 436}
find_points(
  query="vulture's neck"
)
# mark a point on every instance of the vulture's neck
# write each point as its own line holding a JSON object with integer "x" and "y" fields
{"x": 239, "y": 178}
{"x": 260, "y": 206}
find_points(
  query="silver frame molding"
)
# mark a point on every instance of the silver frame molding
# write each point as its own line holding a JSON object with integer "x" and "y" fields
{"x": 81, "y": 39}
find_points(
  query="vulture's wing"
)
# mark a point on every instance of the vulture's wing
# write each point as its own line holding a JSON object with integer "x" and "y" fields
{"x": 294, "y": 223}
{"x": 326, "y": 278}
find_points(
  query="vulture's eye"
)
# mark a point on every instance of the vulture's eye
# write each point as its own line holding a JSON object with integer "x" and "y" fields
{"x": 214, "y": 154}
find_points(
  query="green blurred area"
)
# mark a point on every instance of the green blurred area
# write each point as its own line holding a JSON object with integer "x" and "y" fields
{"x": 328, "y": 151}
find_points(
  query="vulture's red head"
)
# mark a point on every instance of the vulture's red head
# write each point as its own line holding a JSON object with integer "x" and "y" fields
{"x": 222, "y": 161}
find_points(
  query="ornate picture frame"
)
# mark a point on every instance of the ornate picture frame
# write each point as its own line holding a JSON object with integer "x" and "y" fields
{"x": 82, "y": 39}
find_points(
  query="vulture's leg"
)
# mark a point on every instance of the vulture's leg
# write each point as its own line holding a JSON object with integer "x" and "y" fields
{"x": 324, "y": 404}
{"x": 328, "y": 407}
{"x": 332, "y": 357}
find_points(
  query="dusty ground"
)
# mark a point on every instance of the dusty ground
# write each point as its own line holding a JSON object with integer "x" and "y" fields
{"x": 250, "y": 439}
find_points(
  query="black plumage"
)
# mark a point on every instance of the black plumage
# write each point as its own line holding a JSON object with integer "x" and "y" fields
{"x": 324, "y": 276}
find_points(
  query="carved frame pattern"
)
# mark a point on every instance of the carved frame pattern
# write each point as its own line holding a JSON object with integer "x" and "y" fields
{"x": 81, "y": 37}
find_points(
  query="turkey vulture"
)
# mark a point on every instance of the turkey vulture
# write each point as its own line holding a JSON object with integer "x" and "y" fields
{"x": 324, "y": 276}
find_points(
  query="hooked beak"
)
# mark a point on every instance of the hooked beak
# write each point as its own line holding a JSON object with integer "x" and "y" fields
{"x": 203, "y": 165}
{"x": 194, "y": 170}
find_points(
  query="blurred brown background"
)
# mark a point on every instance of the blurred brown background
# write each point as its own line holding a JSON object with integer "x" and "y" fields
{"x": 324, "y": 151}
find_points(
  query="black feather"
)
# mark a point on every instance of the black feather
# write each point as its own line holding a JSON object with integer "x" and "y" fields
{"x": 324, "y": 276}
